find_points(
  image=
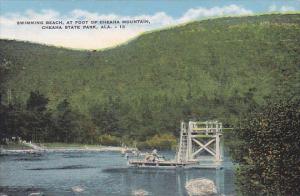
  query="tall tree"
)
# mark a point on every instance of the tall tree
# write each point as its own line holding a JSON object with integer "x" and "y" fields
{"x": 38, "y": 118}
{"x": 67, "y": 123}
{"x": 37, "y": 102}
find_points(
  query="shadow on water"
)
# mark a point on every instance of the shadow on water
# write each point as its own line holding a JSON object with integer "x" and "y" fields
{"x": 77, "y": 155}
{"x": 29, "y": 157}
{"x": 64, "y": 167}
{"x": 16, "y": 191}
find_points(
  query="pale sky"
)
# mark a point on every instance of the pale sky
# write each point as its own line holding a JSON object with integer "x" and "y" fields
{"x": 161, "y": 14}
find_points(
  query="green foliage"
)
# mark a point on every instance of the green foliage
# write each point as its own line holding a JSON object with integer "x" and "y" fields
{"x": 107, "y": 117}
{"x": 161, "y": 142}
{"x": 37, "y": 124}
{"x": 201, "y": 65}
{"x": 268, "y": 151}
{"x": 28, "y": 124}
{"x": 212, "y": 69}
{"x": 37, "y": 102}
{"x": 70, "y": 126}
{"x": 67, "y": 123}
{"x": 35, "y": 121}
{"x": 6, "y": 69}
{"x": 109, "y": 140}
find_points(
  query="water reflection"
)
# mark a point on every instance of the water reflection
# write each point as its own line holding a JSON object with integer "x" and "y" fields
{"x": 170, "y": 181}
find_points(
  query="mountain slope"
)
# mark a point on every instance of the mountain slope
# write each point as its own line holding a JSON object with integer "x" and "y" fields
{"x": 208, "y": 69}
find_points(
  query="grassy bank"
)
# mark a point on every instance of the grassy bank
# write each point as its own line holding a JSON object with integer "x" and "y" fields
{"x": 14, "y": 146}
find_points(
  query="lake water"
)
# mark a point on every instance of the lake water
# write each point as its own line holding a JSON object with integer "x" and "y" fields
{"x": 99, "y": 173}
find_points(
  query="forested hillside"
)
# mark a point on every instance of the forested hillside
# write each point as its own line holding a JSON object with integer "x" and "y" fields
{"x": 211, "y": 69}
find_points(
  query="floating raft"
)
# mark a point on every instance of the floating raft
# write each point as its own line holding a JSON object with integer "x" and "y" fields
{"x": 172, "y": 164}
{"x": 162, "y": 164}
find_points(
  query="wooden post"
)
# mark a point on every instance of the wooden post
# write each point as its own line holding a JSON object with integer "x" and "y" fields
{"x": 218, "y": 157}
{"x": 189, "y": 142}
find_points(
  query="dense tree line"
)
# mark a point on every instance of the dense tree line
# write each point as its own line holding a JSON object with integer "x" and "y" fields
{"x": 267, "y": 147}
{"x": 34, "y": 122}
{"x": 113, "y": 123}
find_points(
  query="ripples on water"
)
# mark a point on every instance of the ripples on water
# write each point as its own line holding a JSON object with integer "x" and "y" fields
{"x": 98, "y": 173}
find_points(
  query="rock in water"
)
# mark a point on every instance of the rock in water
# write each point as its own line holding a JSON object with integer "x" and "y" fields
{"x": 201, "y": 187}
{"x": 77, "y": 189}
{"x": 35, "y": 194}
{"x": 140, "y": 192}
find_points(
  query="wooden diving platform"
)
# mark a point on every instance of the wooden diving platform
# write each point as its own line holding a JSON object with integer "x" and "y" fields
{"x": 196, "y": 138}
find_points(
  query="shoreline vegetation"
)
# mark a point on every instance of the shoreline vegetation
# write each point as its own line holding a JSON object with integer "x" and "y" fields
{"x": 160, "y": 142}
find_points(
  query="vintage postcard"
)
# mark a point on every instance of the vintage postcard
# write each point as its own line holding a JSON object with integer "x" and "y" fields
{"x": 161, "y": 98}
